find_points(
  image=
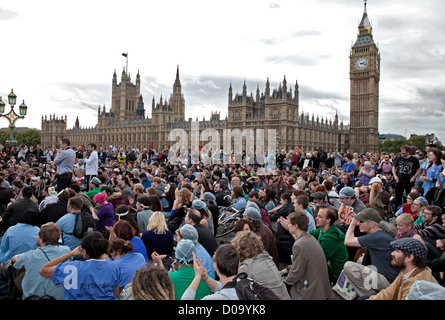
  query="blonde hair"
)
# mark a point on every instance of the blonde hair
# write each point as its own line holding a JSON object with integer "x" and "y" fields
{"x": 139, "y": 187}
{"x": 157, "y": 223}
{"x": 405, "y": 218}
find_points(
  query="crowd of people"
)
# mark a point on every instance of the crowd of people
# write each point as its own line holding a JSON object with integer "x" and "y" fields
{"x": 150, "y": 224}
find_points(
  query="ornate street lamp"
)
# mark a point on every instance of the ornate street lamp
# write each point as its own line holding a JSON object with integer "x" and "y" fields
{"x": 12, "y": 116}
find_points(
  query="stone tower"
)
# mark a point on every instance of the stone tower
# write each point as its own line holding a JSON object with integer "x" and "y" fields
{"x": 364, "y": 91}
{"x": 125, "y": 96}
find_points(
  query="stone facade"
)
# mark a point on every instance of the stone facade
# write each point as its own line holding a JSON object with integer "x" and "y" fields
{"x": 125, "y": 124}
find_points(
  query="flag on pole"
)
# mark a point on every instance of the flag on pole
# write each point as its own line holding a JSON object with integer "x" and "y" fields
{"x": 124, "y": 54}
{"x": 151, "y": 145}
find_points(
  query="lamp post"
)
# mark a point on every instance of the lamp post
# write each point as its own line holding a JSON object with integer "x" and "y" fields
{"x": 12, "y": 116}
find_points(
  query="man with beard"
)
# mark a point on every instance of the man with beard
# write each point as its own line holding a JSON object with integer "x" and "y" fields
{"x": 409, "y": 256}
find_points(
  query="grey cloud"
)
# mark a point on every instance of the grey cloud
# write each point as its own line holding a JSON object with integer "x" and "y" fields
{"x": 274, "y": 5}
{"x": 297, "y": 59}
{"x": 304, "y": 33}
{"x": 7, "y": 14}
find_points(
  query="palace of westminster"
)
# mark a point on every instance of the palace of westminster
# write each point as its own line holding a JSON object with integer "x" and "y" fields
{"x": 125, "y": 124}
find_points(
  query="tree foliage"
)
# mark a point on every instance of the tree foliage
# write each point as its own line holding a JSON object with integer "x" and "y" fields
{"x": 419, "y": 142}
{"x": 29, "y": 137}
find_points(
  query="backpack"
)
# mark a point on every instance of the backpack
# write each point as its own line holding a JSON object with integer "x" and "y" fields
{"x": 288, "y": 185}
{"x": 84, "y": 221}
{"x": 249, "y": 289}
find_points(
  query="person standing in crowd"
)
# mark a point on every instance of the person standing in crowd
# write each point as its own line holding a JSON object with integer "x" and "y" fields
{"x": 64, "y": 160}
{"x": 91, "y": 164}
{"x": 405, "y": 170}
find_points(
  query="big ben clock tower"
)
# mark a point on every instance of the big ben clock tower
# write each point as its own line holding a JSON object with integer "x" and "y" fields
{"x": 364, "y": 100}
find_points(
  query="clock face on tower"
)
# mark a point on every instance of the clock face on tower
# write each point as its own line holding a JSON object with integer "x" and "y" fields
{"x": 361, "y": 63}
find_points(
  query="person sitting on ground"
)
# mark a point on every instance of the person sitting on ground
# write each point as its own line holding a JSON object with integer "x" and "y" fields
{"x": 377, "y": 241}
{"x": 190, "y": 233}
{"x": 409, "y": 256}
{"x": 183, "y": 273}
{"x": 206, "y": 238}
{"x": 152, "y": 283}
{"x": 91, "y": 284}
{"x": 20, "y": 237}
{"x": 125, "y": 230}
{"x": 256, "y": 262}
{"x": 431, "y": 227}
{"x": 18, "y": 207}
{"x": 307, "y": 276}
{"x": 33, "y": 260}
{"x": 226, "y": 265}
{"x": 122, "y": 253}
{"x": 405, "y": 226}
{"x": 332, "y": 242}
{"x": 157, "y": 237}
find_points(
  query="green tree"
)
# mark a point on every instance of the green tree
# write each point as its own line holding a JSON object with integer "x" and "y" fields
{"x": 393, "y": 145}
{"x": 418, "y": 141}
{"x": 29, "y": 137}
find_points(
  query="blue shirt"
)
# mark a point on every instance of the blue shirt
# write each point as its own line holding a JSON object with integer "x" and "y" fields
{"x": 146, "y": 183}
{"x": 349, "y": 167}
{"x": 66, "y": 224}
{"x": 434, "y": 173}
{"x": 240, "y": 203}
{"x": 129, "y": 264}
{"x": 207, "y": 261}
{"x": 139, "y": 246}
{"x": 18, "y": 239}
{"x": 311, "y": 225}
{"x": 88, "y": 280}
{"x": 33, "y": 261}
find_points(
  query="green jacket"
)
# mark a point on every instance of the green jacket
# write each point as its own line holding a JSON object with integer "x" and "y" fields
{"x": 333, "y": 244}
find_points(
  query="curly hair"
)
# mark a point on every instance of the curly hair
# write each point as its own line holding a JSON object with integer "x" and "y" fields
{"x": 248, "y": 244}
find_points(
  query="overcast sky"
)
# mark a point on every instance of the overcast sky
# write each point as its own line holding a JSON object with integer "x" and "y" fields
{"x": 59, "y": 56}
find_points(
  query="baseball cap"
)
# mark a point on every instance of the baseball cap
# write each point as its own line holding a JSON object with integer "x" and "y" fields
{"x": 412, "y": 246}
{"x": 374, "y": 180}
{"x": 368, "y": 214}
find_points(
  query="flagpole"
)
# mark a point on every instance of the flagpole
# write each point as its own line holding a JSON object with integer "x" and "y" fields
{"x": 126, "y": 68}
